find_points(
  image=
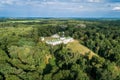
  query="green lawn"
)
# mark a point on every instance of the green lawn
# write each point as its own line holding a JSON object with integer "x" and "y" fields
{"x": 76, "y": 47}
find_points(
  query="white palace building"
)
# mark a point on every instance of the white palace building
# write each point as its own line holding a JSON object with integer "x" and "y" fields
{"x": 59, "y": 40}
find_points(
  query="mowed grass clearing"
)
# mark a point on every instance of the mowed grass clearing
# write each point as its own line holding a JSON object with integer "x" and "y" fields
{"x": 76, "y": 47}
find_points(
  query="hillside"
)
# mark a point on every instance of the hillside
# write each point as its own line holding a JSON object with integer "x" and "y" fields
{"x": 76, "y": 47}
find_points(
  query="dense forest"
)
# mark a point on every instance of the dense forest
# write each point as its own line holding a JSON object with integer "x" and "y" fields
{"x": 23, "y": 56}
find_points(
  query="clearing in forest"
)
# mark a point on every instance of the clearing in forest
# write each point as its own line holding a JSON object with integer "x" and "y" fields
{"x": 76, "y": 47}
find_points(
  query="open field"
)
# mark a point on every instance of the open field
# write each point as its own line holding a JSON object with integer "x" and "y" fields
{"x": 76, "y": 47}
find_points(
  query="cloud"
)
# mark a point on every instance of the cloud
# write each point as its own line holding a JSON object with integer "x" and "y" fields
{"x": 95, "y": 1}
{"x": 117, "y": 8}
{"x": 62, "y": 6}
{"x": 8, "y": 2}
{"x": 58, "y": 7}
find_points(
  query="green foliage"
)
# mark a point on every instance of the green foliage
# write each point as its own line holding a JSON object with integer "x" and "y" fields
{"x": 3, "y": 56}
{"x": 12, "y": 77}
{"x": 23, "y": 41}
{"x": 24, "y": 57}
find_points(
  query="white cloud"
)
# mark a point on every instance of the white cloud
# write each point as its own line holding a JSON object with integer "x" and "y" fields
{"x": 96, "y": 1}
{"x": 8, "y": 2}
{"x": 117, "y": 8}
{"x": 62, "y": 6}
{"x": 72, "y": 9}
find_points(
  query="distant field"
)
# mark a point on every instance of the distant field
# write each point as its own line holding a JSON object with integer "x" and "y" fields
{"x": 10, "y": 30}
{"x": 24, "y": 21}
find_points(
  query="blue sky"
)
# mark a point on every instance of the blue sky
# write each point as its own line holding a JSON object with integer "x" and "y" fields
{"x": 60, "y": 8}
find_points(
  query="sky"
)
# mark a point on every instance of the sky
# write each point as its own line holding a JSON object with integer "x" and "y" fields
{"x": 60, "y": 8}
